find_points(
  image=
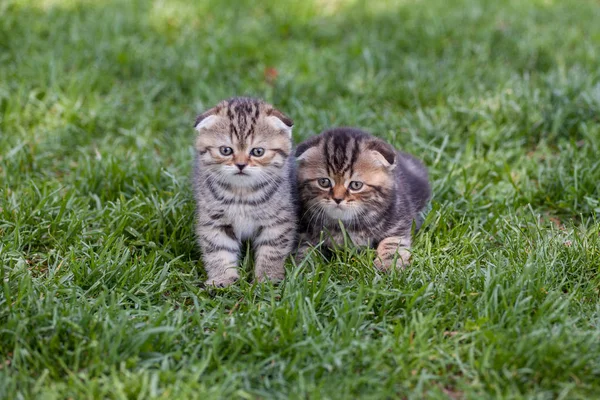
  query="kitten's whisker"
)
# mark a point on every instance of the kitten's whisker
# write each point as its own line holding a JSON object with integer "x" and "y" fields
{"x": 314, "y": 214}
{"x": 313, "y": 206}
{"x": 318, "y": 216}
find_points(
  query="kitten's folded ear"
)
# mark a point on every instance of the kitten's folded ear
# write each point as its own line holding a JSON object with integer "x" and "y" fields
{"x": 206, "y": 119}
{"x": 383, "y": 152}
{"x": 280, "y": 121}
{"x": 302, "y": 151}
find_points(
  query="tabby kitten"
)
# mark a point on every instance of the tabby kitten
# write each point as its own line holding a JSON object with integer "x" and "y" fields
{"x": 377, "y": 192}
{"x": 244, "y": 181}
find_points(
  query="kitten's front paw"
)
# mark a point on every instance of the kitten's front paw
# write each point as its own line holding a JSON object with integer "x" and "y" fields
{"x": 225, "y": 279}
{"x": 385, "y": 262}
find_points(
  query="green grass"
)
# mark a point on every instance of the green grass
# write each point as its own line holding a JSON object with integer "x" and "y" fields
{"x": 101, "y": 285}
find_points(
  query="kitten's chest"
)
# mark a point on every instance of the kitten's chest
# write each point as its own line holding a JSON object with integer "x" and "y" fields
{"x": 245, "y": 221}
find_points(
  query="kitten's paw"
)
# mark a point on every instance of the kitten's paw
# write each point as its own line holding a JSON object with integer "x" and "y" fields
{"x": 226, "y": 279}
{"x": 382, "y": 265}
{"x": 385, "y": 262}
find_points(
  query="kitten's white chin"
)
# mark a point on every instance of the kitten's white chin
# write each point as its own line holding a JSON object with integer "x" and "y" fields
{"x": 339, "y": 213}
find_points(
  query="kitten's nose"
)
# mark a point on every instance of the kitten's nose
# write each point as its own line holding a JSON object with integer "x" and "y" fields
{"x": 241, "y": 166}
{"x": 337, "y": 201}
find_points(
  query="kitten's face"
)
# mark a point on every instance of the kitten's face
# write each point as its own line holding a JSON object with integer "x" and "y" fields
{"x": 343, "y": 176}
{"x": 243, "y": 142}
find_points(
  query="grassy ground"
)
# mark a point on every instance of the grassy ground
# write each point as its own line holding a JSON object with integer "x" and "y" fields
{"x": 100, "y": 276}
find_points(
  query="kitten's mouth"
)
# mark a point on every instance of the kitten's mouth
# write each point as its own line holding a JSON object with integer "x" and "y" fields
{"x": 240, "y": 173}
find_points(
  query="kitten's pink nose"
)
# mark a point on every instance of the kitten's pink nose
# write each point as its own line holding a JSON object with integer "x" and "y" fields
{"x": 241, "y": 166}
{"x": 337, "y": 201}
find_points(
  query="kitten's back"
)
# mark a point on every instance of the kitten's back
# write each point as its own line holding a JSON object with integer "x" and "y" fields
{"x": 412, "y": 174}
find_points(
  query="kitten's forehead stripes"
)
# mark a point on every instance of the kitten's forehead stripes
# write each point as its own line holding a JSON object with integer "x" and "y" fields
{"x": 328, "y": 164}
{"x": 242, "y": 114}
{"x": 254, "y": 118}
{"x": 241, "y": 111}
{"x": 345, "y": 154}
{"x": 354, "y": 157}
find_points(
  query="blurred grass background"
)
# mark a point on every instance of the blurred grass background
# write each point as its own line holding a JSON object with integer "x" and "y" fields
{"x": 100, "y": 274}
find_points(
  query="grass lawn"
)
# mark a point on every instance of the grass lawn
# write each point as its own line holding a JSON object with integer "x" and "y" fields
{"x": 101, "y": 291}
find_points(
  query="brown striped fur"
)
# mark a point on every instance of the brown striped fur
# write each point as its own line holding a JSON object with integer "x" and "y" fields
{"x": 395, "y": 189}
{"x": 241, "y": 195}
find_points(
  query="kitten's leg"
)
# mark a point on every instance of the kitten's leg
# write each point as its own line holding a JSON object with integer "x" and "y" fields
{"x": 220, "y": 253}
{"x": 303, "y": 248}
{"x": 272, "y": 246}
{"x": 387, "y": 250}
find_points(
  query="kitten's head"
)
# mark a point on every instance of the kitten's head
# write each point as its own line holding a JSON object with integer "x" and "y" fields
{"x": 243, "y": 141}
{"x": 345, "y": 173}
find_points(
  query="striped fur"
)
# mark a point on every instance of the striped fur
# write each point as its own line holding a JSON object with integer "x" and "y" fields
{"x": 244, "y": 195}
{"x": 394, "y": 189}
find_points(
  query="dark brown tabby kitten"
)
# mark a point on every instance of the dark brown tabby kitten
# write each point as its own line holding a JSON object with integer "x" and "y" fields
{"x": 244, "y": 181}
{"x": 377, "y": 192}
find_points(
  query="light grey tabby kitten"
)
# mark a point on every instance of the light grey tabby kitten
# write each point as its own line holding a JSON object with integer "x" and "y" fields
{"x": 244, "y": 181}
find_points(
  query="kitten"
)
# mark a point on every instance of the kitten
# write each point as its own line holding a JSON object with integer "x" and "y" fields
{"x": 347, "y": 175}
{"x": 244, "y": 181}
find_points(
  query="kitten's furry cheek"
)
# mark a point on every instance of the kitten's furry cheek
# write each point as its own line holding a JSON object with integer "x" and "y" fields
{"x": 278, "y": 124}
{"x": 206, "y": 123}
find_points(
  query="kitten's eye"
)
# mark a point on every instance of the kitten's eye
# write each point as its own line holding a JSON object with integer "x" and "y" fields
{"x": 257, "y": 152}
{"x": 324, "y": 183}
{"x": 355, "y": 185}
{"x": 226, "y": 151}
